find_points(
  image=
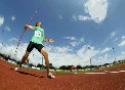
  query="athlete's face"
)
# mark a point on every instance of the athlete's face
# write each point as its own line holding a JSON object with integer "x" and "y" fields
{"x": 38, "y": 24}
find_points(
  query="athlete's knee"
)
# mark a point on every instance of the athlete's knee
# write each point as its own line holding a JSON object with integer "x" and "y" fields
{"x": 27, "y": 53}
{"x": 44, "y": 52}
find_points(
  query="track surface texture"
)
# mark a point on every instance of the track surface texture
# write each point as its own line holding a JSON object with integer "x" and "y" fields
{"x": 37, "y": 80}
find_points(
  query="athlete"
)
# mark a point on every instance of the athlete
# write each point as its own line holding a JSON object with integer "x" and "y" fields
{"x": 36, "y": 42}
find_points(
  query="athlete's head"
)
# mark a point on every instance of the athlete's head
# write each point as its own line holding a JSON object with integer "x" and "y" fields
{"x": 38, "y": 24}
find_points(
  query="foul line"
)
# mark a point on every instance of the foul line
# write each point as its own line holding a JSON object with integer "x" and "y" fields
{"x": 107, "y": 72}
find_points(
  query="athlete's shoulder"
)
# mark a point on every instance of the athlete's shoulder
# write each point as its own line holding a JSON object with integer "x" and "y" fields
{"x": 38, "y": 28}
{"x": 42, "y": 29}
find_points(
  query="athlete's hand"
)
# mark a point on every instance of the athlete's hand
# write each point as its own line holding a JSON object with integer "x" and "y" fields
{"x": 26, "y": 27}
{"x": 49, "y": 39}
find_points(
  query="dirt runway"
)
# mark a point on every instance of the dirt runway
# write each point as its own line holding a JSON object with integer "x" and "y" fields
{"x": 36, "y": 80}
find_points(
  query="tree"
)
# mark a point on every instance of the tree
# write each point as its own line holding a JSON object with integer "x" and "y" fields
{"x": 51, "y": 66}
{"x": 30, "y": 65}
{"x": 63, "y": 67}
{"x": 71, "y": 67}
{"x": 78, "y": 67}
{"x": 41, "y": 66}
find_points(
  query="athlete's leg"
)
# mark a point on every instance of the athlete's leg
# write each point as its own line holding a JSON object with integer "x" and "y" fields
{"x": 25, "y": 58}
{"x": 45, "y": 54}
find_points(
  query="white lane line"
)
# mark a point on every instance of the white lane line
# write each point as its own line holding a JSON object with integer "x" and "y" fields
{"x": 122, "y": 71}
{"x": 106, "y": 72}
{"x": 95, "y": 73}
{"x": 114, "y": 72}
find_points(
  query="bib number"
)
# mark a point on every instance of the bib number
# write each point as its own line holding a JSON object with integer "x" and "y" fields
{"x": 37, "y": 34}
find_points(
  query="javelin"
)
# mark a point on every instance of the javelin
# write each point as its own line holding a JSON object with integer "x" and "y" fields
{"x": 19, "y": 41}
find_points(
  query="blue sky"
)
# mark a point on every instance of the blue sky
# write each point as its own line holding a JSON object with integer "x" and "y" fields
{"x": 72, "y": 23}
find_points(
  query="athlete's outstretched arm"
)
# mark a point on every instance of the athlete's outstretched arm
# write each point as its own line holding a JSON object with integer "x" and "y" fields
{"x": 28, "y": 26}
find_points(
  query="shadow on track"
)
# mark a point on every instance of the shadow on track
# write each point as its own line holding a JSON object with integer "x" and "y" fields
{"x": 27, "y": 73}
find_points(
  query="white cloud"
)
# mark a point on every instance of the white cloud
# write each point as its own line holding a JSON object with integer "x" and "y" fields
{"x": 74, "y": 17}
{"x": 60, "y": 17}
{"x": 82, "y": 40}
{"x": 1, "y": 20}
{"x": 123, "y": 52}
{"x": 121, "y": 57}
{"x": 113, "y": 34}
{"x": 87, "y": 53}
{"x": 13, "y": 41}
{"x": 36, "y": 11}
{"x": 73, "y": 41}
{"x": 83, "y": 18}
{"x": 80, "y": 18}
{"x": 10, "y": 49}
{"x": 96, "y": 10}
{"x": 116, "y": 39}
{"x": 13, "y": 18}
{"x": 122, "y": 43}
{"x": 7, "y": 28}
{"x": 77, "y": 42}
{"x": 106, "y": 50}
{"x": 70, "y": 38}
{"x": 64, "y": 56}
{"x": 123, "y": 37}
{"x": 112, "y": 38}
{"x": 58, "y": 55}
{"x": 102, "y": 59}
{"x": 61, "y": 55}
